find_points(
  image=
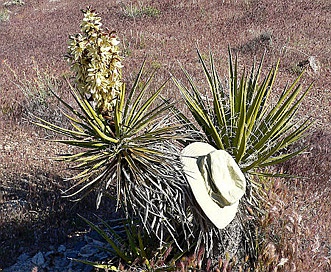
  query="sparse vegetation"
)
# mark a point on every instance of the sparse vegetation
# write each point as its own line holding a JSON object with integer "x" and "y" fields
{"x": 5, "y": 9}
{"x": 294, "y": 232}
{"x": 4, "y": 14}
{"x": 14, "y": 3}
{"x": 38, "y": 99}
{"x": 139, "y": 10}
{"x": 125, "y": 139}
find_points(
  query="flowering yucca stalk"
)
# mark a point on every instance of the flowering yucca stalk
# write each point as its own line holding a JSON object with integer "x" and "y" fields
{"x": 94, "y": 57}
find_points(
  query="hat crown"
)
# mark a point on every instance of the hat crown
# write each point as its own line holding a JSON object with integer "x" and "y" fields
{"x": 223, "y": 178}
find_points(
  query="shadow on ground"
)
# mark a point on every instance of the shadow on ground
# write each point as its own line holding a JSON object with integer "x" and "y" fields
{"x": 34, "y": 216}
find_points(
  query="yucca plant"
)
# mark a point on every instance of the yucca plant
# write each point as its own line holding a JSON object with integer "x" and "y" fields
{"x": 126, "y": 140}
{"x": 132, "y": 248}
{"x": 238, "y": 117}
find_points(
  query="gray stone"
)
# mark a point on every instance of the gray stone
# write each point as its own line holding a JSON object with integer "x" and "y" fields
{"x": 97, "y": 243}
{"x": 59, "y": 258}
{"x": 71, "y": 254}
{"x": 79, "y": 245}
{"x": 21, "y": 267}
{"x": 88, "y": 239}
{"x": 23, "y": 257}
{"x": 101, "y": 256}
{"x": 60, "y": 262}
{"x": 49, "y": 253}
{"x": 88, "y": 269}
{"x": 38, "y": 259}
{"x": 61, "y": 248}
{"x": 88, "y": 251}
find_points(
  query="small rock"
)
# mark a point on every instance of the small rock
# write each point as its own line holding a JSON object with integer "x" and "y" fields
{"x": 97, "y": 243}
{"x": 314, "y": 64}
{"x": 76, "y": 266}
{"x": 88, "y": 239}
{"x": 88, "y": 251}
{"x": 60, "y": 262}
{"x": 71, "y": 254}
{"x": 94, "y": 235}
{"x": 101, "y": 256}
{"x": 88, "y": 268}
{"x": 49, "y": 253}
{"x": 23, "y": 257}
{"x": 79, "y": 245}
{"x": 38, "y": 259}
{"x": 61, "y": 248}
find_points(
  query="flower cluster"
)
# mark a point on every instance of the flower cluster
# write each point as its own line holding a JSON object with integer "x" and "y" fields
{"x": 94, "y": 58}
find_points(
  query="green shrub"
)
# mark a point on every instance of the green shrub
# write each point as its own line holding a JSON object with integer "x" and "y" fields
{"x": 13, "y": 3}
{"x": 136, "y": 11}
{"x": 238, "y": 117}
{"x": 126, "y": 140}
{"x": 4, "y": 14}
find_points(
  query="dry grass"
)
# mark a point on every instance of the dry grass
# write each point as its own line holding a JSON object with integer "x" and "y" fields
{"x": 37, "y": 32}
{"x": 295, "y": 231}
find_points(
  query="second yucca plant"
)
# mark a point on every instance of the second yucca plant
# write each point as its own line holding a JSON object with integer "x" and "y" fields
{"x": 238, "y": 117}
{"x": 125, "y": 139}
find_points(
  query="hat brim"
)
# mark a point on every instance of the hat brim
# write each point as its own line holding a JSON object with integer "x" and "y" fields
{"x": 219, "y": 216}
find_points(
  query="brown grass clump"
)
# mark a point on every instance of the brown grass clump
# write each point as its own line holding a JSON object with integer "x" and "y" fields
{"x": 32, "y": 213}
{"x": 298, "y": 223}
{"x": 295, "y": 230}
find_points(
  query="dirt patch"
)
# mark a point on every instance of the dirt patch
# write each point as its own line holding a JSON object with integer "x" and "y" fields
{"x": 32, "y": 212}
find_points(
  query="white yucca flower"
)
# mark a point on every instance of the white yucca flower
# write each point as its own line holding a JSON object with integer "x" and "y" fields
{"x": 94, "y": 57}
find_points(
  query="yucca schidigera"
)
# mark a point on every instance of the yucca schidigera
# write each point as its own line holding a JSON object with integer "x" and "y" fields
{"x": 241, "y": 120}
{"x": 94, "y": 57}
{"x": 238, "y": 117}
{"x": 134, "y": 156}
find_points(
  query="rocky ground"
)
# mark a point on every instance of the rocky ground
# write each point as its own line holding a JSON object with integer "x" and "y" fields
{"x": 38, "y": 228}
{"x": 64, "y": 257}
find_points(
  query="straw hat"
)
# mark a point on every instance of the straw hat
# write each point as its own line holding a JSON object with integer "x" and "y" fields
{"x": 216, "y": 181}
